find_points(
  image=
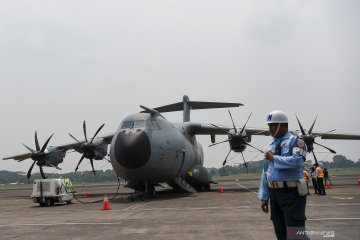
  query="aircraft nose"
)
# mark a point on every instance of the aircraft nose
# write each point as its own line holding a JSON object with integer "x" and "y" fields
{"x": 132, "y": 150}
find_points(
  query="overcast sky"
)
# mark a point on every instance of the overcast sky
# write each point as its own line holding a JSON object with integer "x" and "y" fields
{"x": 62, "y": 62}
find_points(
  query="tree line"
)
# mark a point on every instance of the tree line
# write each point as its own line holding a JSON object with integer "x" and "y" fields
{"x": 6, "y": 177}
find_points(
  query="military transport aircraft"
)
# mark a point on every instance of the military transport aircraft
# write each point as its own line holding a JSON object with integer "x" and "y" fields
{"x": 147, "y": 150}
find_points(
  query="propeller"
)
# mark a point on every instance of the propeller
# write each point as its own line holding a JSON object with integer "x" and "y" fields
{"x": 237, "y": 139}
{"x": 309, "y": 138}
{"x": 245, "y": 164}
{"x": 88, "y": 148}
{"x": 38, "y": 155}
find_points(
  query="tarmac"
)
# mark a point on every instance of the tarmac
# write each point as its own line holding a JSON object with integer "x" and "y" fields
{"x": 233, "y": 214}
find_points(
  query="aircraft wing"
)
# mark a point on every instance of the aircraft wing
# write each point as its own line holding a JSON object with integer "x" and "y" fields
{"x": 64, "y": 147}
{"x": 19, "y": 157}
{"x": 339, "y": 136}
{"x": 76, "y": 146}
{"x": 108, "y": 138}
{"x": 208, "y": 129}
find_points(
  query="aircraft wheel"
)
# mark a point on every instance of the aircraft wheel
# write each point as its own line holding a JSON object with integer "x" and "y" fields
{"x": 44, "y": 202}
{"x": 47, "y": 202}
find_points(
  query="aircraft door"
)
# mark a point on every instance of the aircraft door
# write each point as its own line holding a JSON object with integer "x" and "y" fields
{"x": 175, "y": 155}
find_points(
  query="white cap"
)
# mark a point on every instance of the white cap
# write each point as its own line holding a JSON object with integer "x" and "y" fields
{"x": 276, "y": 116}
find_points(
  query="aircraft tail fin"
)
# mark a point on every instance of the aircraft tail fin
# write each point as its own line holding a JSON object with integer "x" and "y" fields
{"x": 186, "y": 105}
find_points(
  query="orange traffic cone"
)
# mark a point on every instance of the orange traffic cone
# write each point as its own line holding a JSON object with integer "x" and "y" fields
{"x": 328, "y": 185}
{"x": 86, "y": 194}
{"x": 221, "y": 190}
{"x": 106, "y": 205}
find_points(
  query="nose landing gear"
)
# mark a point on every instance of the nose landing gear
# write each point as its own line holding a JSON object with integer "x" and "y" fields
{"x": 146, "y": 191}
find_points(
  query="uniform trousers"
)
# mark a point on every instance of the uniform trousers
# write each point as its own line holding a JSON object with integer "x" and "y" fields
{"x": 287, "y": 210}
{"x": 321, "y": 188}
{"x": 315, "y": 185}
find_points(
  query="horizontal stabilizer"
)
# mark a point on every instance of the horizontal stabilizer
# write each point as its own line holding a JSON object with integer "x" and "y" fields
{"x": 186, "y": 105}
{"x": 195, "y": 105}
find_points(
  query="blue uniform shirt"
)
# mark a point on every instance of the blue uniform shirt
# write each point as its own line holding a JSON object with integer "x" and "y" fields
{"x": 288, "y": 166}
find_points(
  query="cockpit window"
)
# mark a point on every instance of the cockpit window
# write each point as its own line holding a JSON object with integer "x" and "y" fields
{"x": 127, "y": 124}
{"x": 133, "y": 124}
{"x": 139, "y": 124}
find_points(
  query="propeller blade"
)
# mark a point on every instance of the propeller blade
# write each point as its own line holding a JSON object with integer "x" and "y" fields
{"x": 245, "y": 163}
{"x": 42, "y": 172}
{"x": 92, "y": 165}
{"x": 312, "y": 126}
{"x": 301, "y": 128}
{"x": 232, "y": 121}
{"x": 84, "y": 128}
{"x": 218, "y": 143}
{"x": 332, "y": 151}
{"x": 37, "y": 142}
{"x": 30, "y": 149}
{"x": 46, "y": 143}
{"x": 74, "y": 138}
{"x": 220, "y": 128}
{"x": 226, "y": 158}
{"x": 97, "y": 132}
{"x": 242, "y": 130}
{"x": 28, "y": 175}
{"x": 316, "y": 161}
{"x": 254, "y": 147}
{"x": 82, "y": 158}
{"x": 319, "y": 135}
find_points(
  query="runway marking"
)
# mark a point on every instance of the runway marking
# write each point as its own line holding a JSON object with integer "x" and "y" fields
{"x": 136, "y": 206}
{"x": 332, "y": 205}
{"x": 198, "y": 208}
{"x": 344, "y": 198}
{"x": 247, "y": 188}
{"x": 57, "y": 224}
{"x": 327, "y": 219}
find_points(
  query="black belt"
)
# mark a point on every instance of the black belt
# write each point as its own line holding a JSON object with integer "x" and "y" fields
{"x": 283, "y": 184}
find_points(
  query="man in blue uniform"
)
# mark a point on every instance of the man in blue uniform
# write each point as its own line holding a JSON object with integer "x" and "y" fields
{"x": 282, "y": 178}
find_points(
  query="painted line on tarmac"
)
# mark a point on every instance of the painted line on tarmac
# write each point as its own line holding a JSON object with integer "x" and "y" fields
{"x": 57, "y": 224}
{"x": 246, "y": 188}
{"x": 332, "y": 205}
{"x": 330, "y": 219}
{"x": 343, "y": 198}
{"x": 199, "y": 208}
{"x": 136, "y": 206}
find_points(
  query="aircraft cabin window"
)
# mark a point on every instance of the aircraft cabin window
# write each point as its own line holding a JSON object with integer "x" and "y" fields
{"x": 127, "y": 124}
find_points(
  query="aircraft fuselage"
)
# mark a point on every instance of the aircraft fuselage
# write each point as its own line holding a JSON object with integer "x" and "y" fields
{"x": 149, "y": 148}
